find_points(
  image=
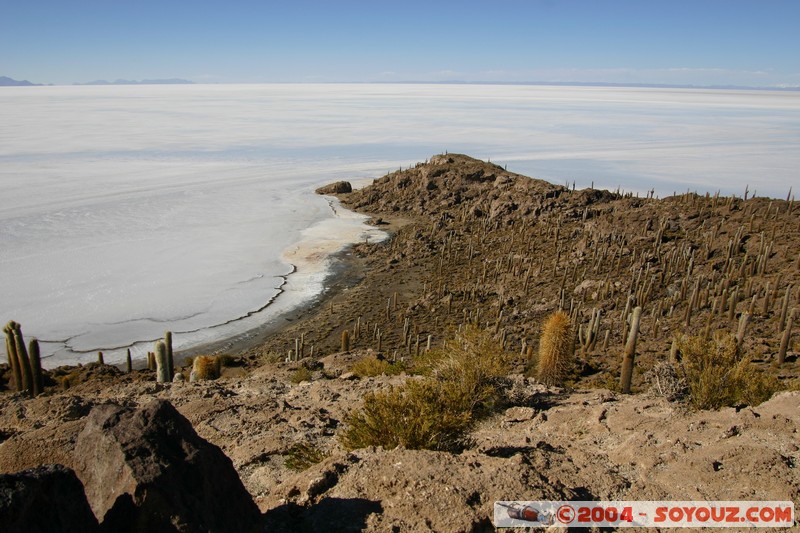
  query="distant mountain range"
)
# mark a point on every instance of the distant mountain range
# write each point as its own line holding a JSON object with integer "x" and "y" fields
{"x": 5, "y": 81}
{"x": 606, "y": 84}
{"x": 170, "y": 81}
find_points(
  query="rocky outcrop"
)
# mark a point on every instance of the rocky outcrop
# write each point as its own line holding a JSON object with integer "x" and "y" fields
{"x": 46, "y": 498}
{"x": 340, "y": 187}
{"x": 456, "y": 185}
{"x": 145, "y": 469}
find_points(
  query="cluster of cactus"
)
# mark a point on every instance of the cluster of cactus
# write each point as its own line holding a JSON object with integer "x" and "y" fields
{"x": 484, "y": 270}
{"x": 165, "y": 368}
{"x": 26, "y": 364}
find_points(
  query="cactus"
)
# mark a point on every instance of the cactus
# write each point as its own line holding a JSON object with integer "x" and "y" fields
{"x": 556, "y": 349}
{"x": 744, "y": 320}
{"x": 630, "y": 352}
{"x": 170, "y": 362}
{"x": 784, "y": 308}
{"x": 345, "y": 341}
{"x": 100, "y": 360}
{"x": 129, "y": 361}
{"x": 11, "y": 352}
{"x": 787, "y": 334}
{"x": 205, "y": 367}
{"x": 588, "y": 337}
{"x": 673, "y": 351}
{"x": 22, "y": 358}
{"x": 36, "y": 367}
{"x": 162, "y": 363}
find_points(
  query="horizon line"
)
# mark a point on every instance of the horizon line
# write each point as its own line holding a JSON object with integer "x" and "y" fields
{"x": 610, "y": 84}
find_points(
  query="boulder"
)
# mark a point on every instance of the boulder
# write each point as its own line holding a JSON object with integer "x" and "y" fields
{"x": 145, "y": 469}
{"x": 339, "y": 187}
{"x": 45, "y": 498}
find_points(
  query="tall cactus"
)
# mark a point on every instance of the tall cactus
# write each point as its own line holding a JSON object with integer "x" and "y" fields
{"x": 22, "y": 358}
{"x": 556, "y": 349}
{"x": 13, "y": 361}
{"x": 162, "y": 363}
{"x": 787, "y": 334}
{"x": 36, "y": 367}
{"x": 630, "y": 352}
{"x": 345, "y": 341}
{"x": 170, "y": 362}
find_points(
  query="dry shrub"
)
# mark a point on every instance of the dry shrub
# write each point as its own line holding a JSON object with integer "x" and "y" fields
{"x": 273, "y": 357}
{"x": 302, "y": 456}
{"x": 372, "y": 366}
{"x": 416, "y": 415}
{"x": 472, "y": 366}
{"x": 460, "y": 383}
{"x": 300, "y": 375}
{"x": 665, "y": 382}
{"x": 718, "y": 375}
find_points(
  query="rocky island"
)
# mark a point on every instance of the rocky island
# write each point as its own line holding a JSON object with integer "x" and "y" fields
{"x": 670, "y": 374}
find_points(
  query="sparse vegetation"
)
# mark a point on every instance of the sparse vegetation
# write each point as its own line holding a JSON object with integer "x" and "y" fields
{"x": 302, "y": 456}
{"x": 372, "y": 366}
{"x": 460, "y": 383}
{"x": 718, "y": 375}
{"x": 300, "y": 375}
{"x": 665, "y": 382}
{"x": 417, "y": 415}
{"x": 473, "y": 365}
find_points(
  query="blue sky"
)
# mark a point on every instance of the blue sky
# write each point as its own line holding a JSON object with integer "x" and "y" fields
{"x": 701, "y": 42}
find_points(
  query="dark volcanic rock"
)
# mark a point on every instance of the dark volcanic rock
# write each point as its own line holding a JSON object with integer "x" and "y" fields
{"x": 340, "y": 187}
{"x": 46, "y": 498}
{"x": 146, "y": 469}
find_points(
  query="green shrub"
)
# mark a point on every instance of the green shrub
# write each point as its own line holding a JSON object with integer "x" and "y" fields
{"x": 461, "y": 382}
{"x": 369, "y": 367}
{"x": 416, "y": 415}
{"x": 473, "y": 367}
{"x": 372, "y": 366}
{"x": 302, "y": 456}
{"x": 273, "y": 357}
{"x": 300, "y": 375}
{"x": 718, "y": 375}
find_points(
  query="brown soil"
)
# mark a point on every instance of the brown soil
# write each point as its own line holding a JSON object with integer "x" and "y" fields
{"x": 473, "y": 243}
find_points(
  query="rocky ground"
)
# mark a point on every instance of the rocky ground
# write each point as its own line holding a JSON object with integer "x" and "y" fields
{"x": 475, "y": 244}
{"x": 553, "y": 444}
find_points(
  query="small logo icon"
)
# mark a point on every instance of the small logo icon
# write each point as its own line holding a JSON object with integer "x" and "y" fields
{"x": 526, "y": 513}
{"x": 565, "y": 514}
